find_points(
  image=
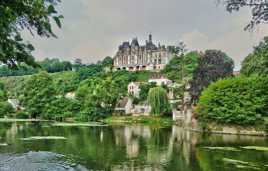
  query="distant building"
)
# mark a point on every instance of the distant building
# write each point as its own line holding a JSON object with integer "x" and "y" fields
{"x": 134, "y": 89}
{"x": 160, "y": 80}
{"x": 124, "y": 106}
{"x": 133, "y": 57}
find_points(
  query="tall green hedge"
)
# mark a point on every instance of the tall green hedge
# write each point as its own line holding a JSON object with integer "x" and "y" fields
{"x": 239, "y": 100}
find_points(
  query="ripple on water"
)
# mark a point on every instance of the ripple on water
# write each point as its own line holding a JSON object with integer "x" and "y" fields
{"x": 41, "y": 161}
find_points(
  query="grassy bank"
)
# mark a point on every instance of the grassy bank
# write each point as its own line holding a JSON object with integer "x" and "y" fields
{"x": 146, "y": 120}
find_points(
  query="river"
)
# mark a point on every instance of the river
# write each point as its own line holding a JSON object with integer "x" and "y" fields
{"x": 31, "y": 146}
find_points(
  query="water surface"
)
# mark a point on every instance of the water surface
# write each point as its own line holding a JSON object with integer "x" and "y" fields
{"x": 124, "y": 148}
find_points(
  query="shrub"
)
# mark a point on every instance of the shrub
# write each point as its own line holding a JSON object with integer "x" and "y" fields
{"x": 5, "y": 109}
{"x": 22, "y": 115}
{"x": 239, "y": 100}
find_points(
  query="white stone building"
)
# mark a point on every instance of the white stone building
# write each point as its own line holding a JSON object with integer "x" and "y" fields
{"x": 160, "y": 81}
{"x": 134, "y": 89}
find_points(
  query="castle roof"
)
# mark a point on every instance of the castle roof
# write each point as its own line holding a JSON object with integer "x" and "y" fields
{"x": 135, "y": 42}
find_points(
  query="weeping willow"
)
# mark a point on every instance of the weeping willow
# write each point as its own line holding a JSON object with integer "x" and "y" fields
{"x": 158, "y": 101}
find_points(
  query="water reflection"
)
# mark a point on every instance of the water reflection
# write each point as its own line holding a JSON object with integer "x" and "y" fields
{"x": 121, "y": 148}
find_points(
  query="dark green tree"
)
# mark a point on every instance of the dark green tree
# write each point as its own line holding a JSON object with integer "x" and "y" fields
{"x": 257, "y": 62}
{"x": 17, "y": 15}
{"x": 55, "y": 65}
{"x": 212, "y": 66}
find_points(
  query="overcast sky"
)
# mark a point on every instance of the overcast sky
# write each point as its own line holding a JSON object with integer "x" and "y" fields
{"x": 93, "y": 29}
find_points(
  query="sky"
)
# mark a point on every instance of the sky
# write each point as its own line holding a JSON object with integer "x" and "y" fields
{"x": 93, "y": 29}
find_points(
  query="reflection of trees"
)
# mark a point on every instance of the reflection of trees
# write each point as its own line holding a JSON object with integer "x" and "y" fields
{"x": 128, "y": 147}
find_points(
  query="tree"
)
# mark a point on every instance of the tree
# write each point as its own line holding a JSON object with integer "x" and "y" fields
{"x": 38, "y": 93}
{"x": 181, "y": 66}
{"x": 158, "y": 101}
{"x": 55, "y": 65}
{"x": 98, "y": 98}
{"x": 212, "y": 66}
{"x": 3, "y": 95}
{"x": 5, "y": 107}
{"x": 237, "y": 100}
{"x": 35, "y": 16}
{"x": 144, "y": 90}
{"x": 257, "y": 62}
{"x": 259, "y": 10}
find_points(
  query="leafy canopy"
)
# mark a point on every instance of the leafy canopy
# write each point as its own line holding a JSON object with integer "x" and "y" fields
{"x": 17, "y": 15}
{"x": 238, "y": 100}
{"x": 38, "y": 93}
{"x": 212, "y": 66}
{"x": 181, "y": 66}
{"x": 257, "y": 62}
{"x": 98, "y": 98}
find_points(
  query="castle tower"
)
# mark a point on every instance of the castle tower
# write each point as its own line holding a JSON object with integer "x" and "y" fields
{"x": 150, "y": 38}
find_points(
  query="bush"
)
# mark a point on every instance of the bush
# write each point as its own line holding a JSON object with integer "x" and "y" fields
{"x": 5, "y": 109}
{"x": 239, "y": 100}
{"x": 22, "y": 115}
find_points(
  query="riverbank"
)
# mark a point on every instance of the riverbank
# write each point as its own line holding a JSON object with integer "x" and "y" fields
{"x": 146, "y": 120}
{"x": 214, "y": 128}
{"x": 22, "y": 120}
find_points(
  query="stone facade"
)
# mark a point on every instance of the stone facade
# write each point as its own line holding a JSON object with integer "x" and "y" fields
{"x": 133, "y": 57}
{"x": 134, "y": 89}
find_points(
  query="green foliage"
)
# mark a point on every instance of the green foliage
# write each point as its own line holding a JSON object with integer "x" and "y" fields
{"x": 238, "y": 100}
{"x": 98, "y": 98}
{"x": 65, "y": 82}
{"x": 55, "y": 65}
{"x": 158, "y": 101}
{"x": 61, "y": 108}
{"x": 3, "y": 95}
{"x": 181, "y": 66}
{"x": 257, "y": 62}
{"x": 144, "y": 90}
{"x": 38, "y": 94}
{"x": 35, "y": 16}
{"x": 93, "y": 70}
{"x": 5, "y": 109}
{"x": 89, "y": 71}
{"x": 49, "y": 65}
{"x": 212, "y": 66}
{"x": 22, "y": 115}
{"x": 23, "y": 69}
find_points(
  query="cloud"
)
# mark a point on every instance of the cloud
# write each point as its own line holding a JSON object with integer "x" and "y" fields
{"x": 236, "y": 42}
{"x": 93, "y": 29}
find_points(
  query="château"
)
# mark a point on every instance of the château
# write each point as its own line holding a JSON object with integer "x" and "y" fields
{"x": 134, "y": 57}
